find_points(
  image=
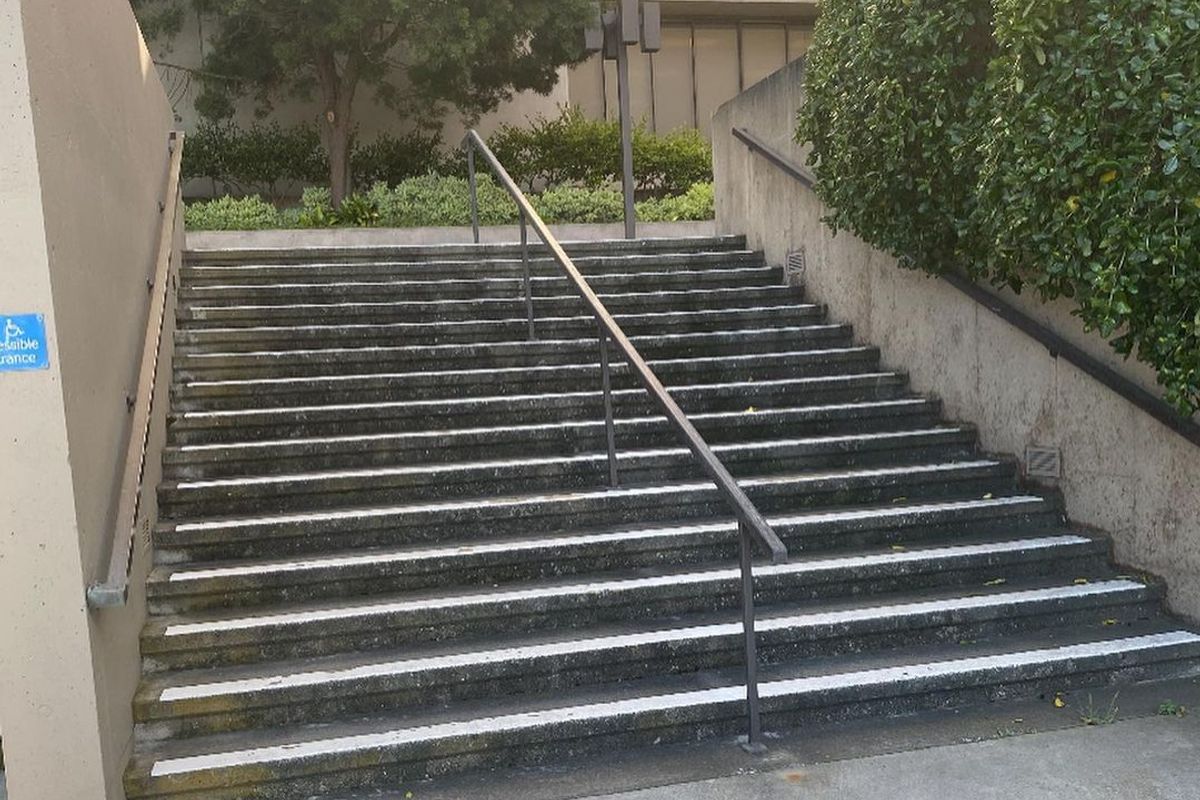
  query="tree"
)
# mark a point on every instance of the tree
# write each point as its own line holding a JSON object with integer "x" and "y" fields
{"x": 418, "y": 56}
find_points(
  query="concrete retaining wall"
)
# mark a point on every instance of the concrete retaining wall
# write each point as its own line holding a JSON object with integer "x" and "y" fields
{"x": 85, "y": 166}
{"x": 1123, "y": 471}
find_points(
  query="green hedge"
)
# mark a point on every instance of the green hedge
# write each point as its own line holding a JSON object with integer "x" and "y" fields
{"x": 571, "y": 149}
{"x": 434, "y": 200}
{"x": 566, "y": 150}
{"x": 1050, "y": 145}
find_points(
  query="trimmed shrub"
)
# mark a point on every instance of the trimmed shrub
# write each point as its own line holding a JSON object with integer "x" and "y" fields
{"x": 571, "y": 149}
{"x": 392, "y": 159}
{"x": 231, "y": 214}
{"x": 440, "y": 201}
{"x": 890, "y": 86}
{"x": 575, "y": 204}
{"x": 1090, "y": 185}
{"x": 696, "y": 204}
{"x": 263, "y": 159}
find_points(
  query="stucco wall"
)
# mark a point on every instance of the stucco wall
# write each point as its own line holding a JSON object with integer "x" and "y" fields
{"x": 85, "y": 161}
{"x": 1123, "y": 471}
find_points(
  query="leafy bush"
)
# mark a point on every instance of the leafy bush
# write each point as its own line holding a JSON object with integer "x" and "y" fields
{"x": 1090, "y": 186}
{"x": 439, "y": 201}
{"x": 890, "y": 85}
{"x": 1055, "y": 146}
{"x": 575, "y": 204}
{"x": 572, "y": 149}
{"x": 231, "y": 214}
{"x": 392, "y": 159}
{"x": 696, "y": 204}
{"x": 266, "y": 159}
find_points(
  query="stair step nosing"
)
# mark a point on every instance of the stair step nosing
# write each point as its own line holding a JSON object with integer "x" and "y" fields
{"x": 185, "y": 574}
{"x": 896, "y": 612}
{"x": 670, "y": 488}
{"x": 617, "y": 367}
{"x": 565, "y": 425}
{"x": 628, "y": 458}
{"x": 898, "y": 679}
{"x": 933, "y": 558}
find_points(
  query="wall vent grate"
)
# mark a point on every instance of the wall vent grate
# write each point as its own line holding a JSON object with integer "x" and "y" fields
{"x": 793, "y": 271}
{"x": 1043, "y": 462}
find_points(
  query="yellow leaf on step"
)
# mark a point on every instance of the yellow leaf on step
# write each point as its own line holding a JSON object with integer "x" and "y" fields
{"x": 987, "y": 496}
{"x": 1080, "y": 581}
{"x": 899, "y": 548}
{"x": 1110, "y": 622}
{"x": 751, "y": 410}
{"x": 995, "y": 582}
{"x": 1059, "y": 702}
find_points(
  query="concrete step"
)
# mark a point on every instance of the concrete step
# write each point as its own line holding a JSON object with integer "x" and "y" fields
{"x": 248, "y": 635}
{"x": 299, "y": 337}
{"x": 474, "y": 288}
{"x": 206, "y": 702}
{"x": 414, "y": 253}
{"x": 461, "y": 267}
{"x": 482, "y": 478}
{"x": 519, "y": 514}
{"x": 295, "y": 454}
{"x": 822, "y": 398}
{"x": 297, "y": 763}
{"x": 489, "y": 561}
{"x": 198, "y": 315}
{"x": 212, "y": 395}
{"x": 359, "y": 359}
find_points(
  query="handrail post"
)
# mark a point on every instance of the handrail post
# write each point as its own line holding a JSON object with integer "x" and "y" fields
{"x": 528, "y": 281}
{"x": 472, "y": 182}
{"x": 606, "y": 383}
{"x": 754, "y": 734}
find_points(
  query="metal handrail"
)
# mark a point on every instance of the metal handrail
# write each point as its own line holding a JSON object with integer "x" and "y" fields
{"x": 1055, "y": 343}
{"x": 113, "y": 591}
{"x": 752, "y": 526}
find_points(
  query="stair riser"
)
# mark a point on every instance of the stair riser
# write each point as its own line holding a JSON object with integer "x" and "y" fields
{"x": 382, "y": 631}
{"x": 470, "y": 289}
{"x": 490, "y": 569}
{"x": 200, "y": 315}
{"x": 592, "y": 267}
{"x": 500, "y": 411}
{"x": 547, "y": 441}
{"x": 575, "y": 352}
{"x": 285, "y": 538}
{"x": 401, "y": 765}
{"x": 548, "y": 675}
{"x": 516, "y": 330}
{"x": 421, "y": 253}
{"x": 484, "y": 383}
{"x": 458, "y": 482}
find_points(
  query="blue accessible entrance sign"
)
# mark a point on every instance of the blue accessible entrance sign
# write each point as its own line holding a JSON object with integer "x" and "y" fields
{"x": 23, "y": 342}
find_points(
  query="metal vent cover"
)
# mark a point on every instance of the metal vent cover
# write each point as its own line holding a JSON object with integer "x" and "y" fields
{"x": 1043, "y": 462}
{"x": 793, "y": 270}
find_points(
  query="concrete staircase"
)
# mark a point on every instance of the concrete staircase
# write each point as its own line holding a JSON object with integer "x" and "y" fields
{"x": 389, "y": 549}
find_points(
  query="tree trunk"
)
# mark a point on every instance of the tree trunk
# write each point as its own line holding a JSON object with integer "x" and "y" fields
{"x": 337, "y": 89}
{"x": 338, "y": 143}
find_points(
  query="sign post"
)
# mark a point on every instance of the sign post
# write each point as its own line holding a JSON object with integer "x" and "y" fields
{"x": 624, "y": 23}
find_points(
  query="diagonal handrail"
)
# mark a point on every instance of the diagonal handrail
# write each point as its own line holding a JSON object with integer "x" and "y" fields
{"x": 113, "y": 590}
{"x": 753, "y": 528}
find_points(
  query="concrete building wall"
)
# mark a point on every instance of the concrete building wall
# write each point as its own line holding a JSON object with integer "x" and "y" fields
{"x": 1123, "y": 471}
{"x": 85, "y": 168}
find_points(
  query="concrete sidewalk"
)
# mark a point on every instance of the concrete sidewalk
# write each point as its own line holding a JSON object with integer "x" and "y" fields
{"x": 1153, "y": 758}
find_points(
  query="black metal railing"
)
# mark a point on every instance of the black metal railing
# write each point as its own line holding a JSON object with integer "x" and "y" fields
{"x": 752, "y": 527}
{"x": 1055, "y": 343}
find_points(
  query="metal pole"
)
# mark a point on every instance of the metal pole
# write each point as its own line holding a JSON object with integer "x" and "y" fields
{"x": 754, "y": 735}
{"x": 528, "y": 282}
{"x": 606, "y": 382}
{"x": 626, "y": 139}
{"x": 474, "y": 193}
